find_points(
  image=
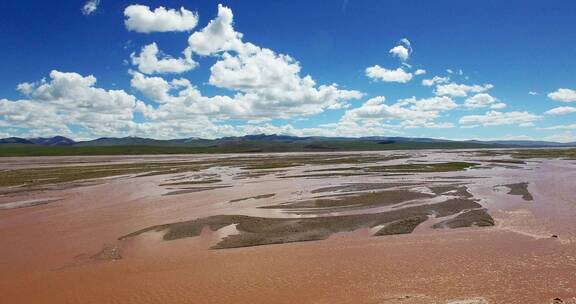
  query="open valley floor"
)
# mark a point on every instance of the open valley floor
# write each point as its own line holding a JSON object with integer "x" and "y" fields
{"x": 426, "y": 226}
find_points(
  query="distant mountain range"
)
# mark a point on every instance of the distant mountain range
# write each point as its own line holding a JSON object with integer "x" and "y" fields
{"x": 43, "y": 141}
{"x": 259, "y": 140}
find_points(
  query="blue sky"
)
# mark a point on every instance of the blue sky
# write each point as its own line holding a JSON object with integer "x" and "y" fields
{"x": 505, "y": 69}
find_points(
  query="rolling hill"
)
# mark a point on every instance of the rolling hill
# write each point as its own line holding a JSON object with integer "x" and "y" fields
{"x": 59, "y": 145}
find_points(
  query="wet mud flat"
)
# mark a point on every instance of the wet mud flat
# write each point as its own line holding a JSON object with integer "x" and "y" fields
{"x": 256, "y": 231}
{"x": 520, "y": 189}
{"x": 376, "y": 227}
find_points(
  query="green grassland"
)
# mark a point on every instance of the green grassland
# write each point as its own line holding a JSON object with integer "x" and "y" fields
{"x": 234, "y": 147}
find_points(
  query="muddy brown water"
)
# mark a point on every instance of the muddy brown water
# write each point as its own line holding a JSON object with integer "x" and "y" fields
{"x": 67, "y": 250}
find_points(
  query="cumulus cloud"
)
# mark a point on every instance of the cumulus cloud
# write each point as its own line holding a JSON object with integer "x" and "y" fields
{"x": 561, "y": 111}
{"x": 435, "y": 80}
{"x": 440, "y": 103}
{"x": 483, "y": 100}
{"x": 140, "y": 18}
{"x": 401, "y": 75}
{"x": 460, "y": 90}
{"x": 266, "y": 85}
{"x": 565, "y": 137}
{"x": 561, "y": 127}
{"x": 419, "y": 72}
{"x": 262, "y": 85}
{"x": 156, "y": 89}
{"x": 495, "y": 118}
{"x": 148, "y": 61}
{"x": 410, "y": 113}
{"x": 66, "y": 99}
{"x": 458, "y": 72}
{"x": 402, "y": 50}
{"x": 90, "y": 7}
{"x": 180, "y": 100}
{"x": 564, "y": 95}
{"x": 382, "y": 74}
{"x": 219, "y": 35}
{"x": 270, "y": 84}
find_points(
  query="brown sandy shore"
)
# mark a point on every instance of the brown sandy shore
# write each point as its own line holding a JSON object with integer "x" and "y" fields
{"x": 456, "y": 227}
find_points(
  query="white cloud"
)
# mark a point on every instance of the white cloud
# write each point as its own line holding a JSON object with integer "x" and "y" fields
{"x": 411, "y": 112}
{"x": 149, "y": 63}
{"x": 532, "y": 93}
{"x": 495, "y": 118}
{"x": 561, "y": 111}
{"x": 256, "y": 104}
{"x": 219, "y": 35}
{"x": 564, "y": 95}
{"x": 258, "y": 70}
{"x": 401, "y": 52}
{"x": 483, "y": 100}
{"x": 498, "y": 106}
{"x": 179, "y": 100}
{"x": 154, "y": 88}
{"x": 565, "y": 137}
{"x": 260, "y": 84}
{"x": 439, "y": 103}
{"x": 379, "y": 73}
{"x": 420, "y": 72}
{"x": 140, "y": 18}
{"x": 460, "y": 90}
{"x": 68, "y": 99}
{"x": 560, "y": 127}
{"x": 435, "y": 80}
{"x": 265, "y": 84}
{"x": 270, "y": 84}
{"x": 90, "y": 7}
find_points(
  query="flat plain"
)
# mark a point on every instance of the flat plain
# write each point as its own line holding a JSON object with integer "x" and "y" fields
{"x": 425, "y": 226}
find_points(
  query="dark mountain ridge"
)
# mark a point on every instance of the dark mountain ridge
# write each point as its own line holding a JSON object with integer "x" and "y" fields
{"x": 274, "y": 140}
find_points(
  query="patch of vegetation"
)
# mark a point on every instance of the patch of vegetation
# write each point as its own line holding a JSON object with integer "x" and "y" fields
{"x": 302, "y": 160}
{"x": 549, "y": 153}
{"x": 56, "y": 175}
{"x": 66, "y": 174}
{"x": 241, "y": 146}
{"x": 545, "y": 153}
{"x": 508, "y": 161}
{"x": 423, "y": 167}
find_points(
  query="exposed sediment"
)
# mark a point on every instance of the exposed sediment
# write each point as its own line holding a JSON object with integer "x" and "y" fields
{"x": 520, "y": 189}
{"x": 469, "y": 218}
{"x": 255, "y": 231}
